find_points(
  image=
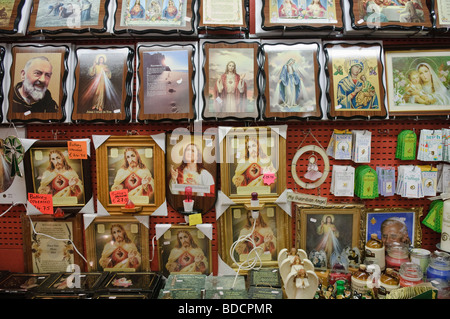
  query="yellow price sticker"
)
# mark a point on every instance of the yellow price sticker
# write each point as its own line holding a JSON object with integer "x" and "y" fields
{"x": 195, "y": 219}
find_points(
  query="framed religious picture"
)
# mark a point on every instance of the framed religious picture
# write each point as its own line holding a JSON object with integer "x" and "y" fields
{"x": 229, "y": 15}
{"x": 398, "y": 15}
{"x": 83, "y": 17}
{"x": 253, "y": 160}
{"x": 328, "y": 232}
{"x": 103, "y": 84}
{"x": 117, "y": 244}
{"x": 38, "y": 77}
{"x": 191, "y": 170}
{"x": 131, "y": 285}
{"x": 54, "y": 174}
{"x": 418, "y": 82}
{"x": 185, "y": 250}
{"x": 355, "y": 87}
{"x": 166, "y": 83}
{"x": 394, "y": 224}
{"x": 71, "y": 283}
{"x": 147, "y": 17}
{"x": 245, "y": 239}
{"x": 52, "y": 244}
{"x": 301, "y": 15}
{"x": 441, "y": 15}
{"x": 130, "y": 170}
{"x": 230, "y": 85}
{"x": 14, "y": 17}
{"x": 20, "y": 285}
{"x": 291, "y": 81}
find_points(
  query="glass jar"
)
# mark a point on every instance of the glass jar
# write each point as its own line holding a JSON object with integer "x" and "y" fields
{"x": 439, "y": 266}
{"x": 397, "y": 254}
{"x": 421, "y": 257}
{"x": 410, "y": 274}
{"x": 375, "y": 252}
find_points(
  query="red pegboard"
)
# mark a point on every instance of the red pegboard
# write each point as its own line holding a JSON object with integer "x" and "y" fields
{"x": 384, "y": 141}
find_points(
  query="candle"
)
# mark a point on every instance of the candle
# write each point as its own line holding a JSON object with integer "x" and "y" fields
{"x": 445, "y": 234}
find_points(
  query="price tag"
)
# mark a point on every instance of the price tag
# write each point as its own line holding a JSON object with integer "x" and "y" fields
{"x": 269, "y": 178}
{"x": 195, "y": 219}
{"x": 77, "y": 149}
{"x": 42, "y": 202}
{"x": 119, "y": 197}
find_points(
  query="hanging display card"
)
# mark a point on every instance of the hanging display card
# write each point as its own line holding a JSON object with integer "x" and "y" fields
{"x": 433, "y": 219}
{"x": 366, "y": 182}
{"x": 406, "y": 145}
{"x": 443, "y": 184}
{"x": 409, "y": 181}
{"x": 340, "y": 145}
{"x": 445, "y": 145}
{"x": 343, "y": 180}
{"x": 429, "y": 179}
{"x": 386, "y": 181}
{"x": 361, "y": 146}
{"x": 430, "y": 146}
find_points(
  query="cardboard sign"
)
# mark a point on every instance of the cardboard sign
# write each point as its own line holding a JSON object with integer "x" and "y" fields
{"x": 119, "y": 197}
{"x": 77, "y": 149}
{"x": 42, "y": 202}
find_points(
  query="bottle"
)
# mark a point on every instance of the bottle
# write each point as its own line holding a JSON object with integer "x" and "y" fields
{"x": 388, "y": 281}
{"x": 359, "y": 280}
{"x": 340, "y": 289}
{"x": 410, "y": 274}
{"x": 375, "y": 252}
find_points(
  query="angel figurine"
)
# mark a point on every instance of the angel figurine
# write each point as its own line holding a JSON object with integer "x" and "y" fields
{"x": 293, "y": 261}
{"x": 313, "y": 173}
{"x": 301, "y": 284}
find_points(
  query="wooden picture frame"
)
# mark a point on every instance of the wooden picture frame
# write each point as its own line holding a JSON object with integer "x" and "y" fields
{"x": 303, "y": 60}
{"x": 345, "y": 63}
{"x": 414, "y": 82}
{"x": 52, "y": 244}
{"x": 11, "y": 17}
{"x": 261, "y": 169}
{"x": 50, "y": 105}
{"x": 366, "y": 15}
{"x": 103, "y": 84}
{"x": 165, "y": 94}
{"x": 235, "y": 63}
{"x": 184, "y": 249}
{"x": 272, "y": 233}
{"x": 394, "y": 224}
{"x": 145, "y": 187}
{"x": 441, "y": 21}
{"x": 2, "y": 77}
{"x": 322, "y": 16}
{"x": 90, "y": 17}
{"x": 160, "y": 19}
{"x": 184, "y": 149}
{"x": 214, "y": 18}
{"x": 310, "y": 230}
{"x": 17, "y": 284}
{"x": 50, "y": 170}
{"x": 117, "y": 244}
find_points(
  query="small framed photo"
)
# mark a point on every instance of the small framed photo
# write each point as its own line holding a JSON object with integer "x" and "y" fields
{"x": 394, "y": 224}
{"x": 14, "y": 17}
{"x": 16, "y": 284}
{"x": 292, "y": 77}
{"x": 329, "y": 232}
{"x": 230, "y": 85}
{"x": 441, "y": 21}
{"x": 146, "y": 17}
{"x": 50, "y": 244}
{"x": 403, "y": 15}
{"x": 252, "y": 160}
{"x": 269, "y": 233}
{"x": 103, "y": 84}
{"x": 117, "y": 244}
{"x": 185, "y": 250}
{"x": 354, "y": 72}
{"x": 130, "y": 168}
{"x": 51, "y": 169}
{"x": 230, "y": 15}
{"x": 166, "y": 82}
{"x": 293, "y": 15}
{"x": 191, "y": 161}
{"x": 88, "y": 283}
{"x": 38, "y": 90}
{"x": 84, "y": 17}
{"x": 417, "y": 82}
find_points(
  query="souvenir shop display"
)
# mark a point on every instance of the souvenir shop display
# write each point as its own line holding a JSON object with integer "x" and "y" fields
{"x": 103, "y": 84}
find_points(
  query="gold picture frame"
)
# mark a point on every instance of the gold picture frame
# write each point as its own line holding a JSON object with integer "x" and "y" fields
{"x": 345, "y": 224}
{"x": 146, "y": 190}
{"x": 375, "y": 220}
{"x": 187, "y": 241}
{"x": 241, "y": 175}
{"x": 272, "y": 232}
{"x": 117, "y": 244}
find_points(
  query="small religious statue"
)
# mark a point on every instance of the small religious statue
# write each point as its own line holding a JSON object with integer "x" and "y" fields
{"x": 313, "y": 173}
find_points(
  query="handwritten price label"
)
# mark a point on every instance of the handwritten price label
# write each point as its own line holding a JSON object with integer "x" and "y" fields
{"x": 269, "y": 178}
{"x": 42, "y": 202}
{"x": 119, "y": 197}
{"x": 77, "y": 149}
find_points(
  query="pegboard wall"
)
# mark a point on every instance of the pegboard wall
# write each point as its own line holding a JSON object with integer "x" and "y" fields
{"x": 384, "y": 141}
